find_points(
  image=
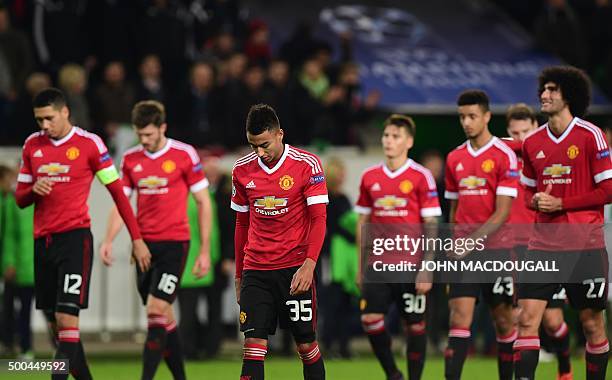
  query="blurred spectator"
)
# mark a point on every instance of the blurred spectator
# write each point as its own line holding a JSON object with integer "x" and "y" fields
{"x": 307, "y": 94}
{"x": 59, "y": 32}
{"x": 17, "y": 266}
{"x": 257, "y": 47}
{"x": 73, "y": 81}
{"x": 204, "y": 340}
{"x": 150, "y": 85}
{"x": 347, "y": 109}
{"x": 113, "y": 100}
{"x": 299, "y": 46}
{"x": 197, "y": 107}
{"x": 22, "y": 118}
{"x": 224, "y": 15}
{"x": 600, "y": 36}
{"x": 314, "y": 80}
{"x": 232, "y": 89}
{"x": 340, "y": 265}
{"x": 219, "y": 48}
{"x": 15, "y": 51}
{"x": 162, "y": 32}
{"x": 558, "y": 30}
{"x": 433, "y": 160}
{"x": 277, "y": 93}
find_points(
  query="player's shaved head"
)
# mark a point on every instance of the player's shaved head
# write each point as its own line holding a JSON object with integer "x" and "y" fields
{"x": 262, "y": 118}
{"x": 49, "y": 97}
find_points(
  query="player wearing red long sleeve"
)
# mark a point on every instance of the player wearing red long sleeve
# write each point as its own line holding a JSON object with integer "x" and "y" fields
{"x": 280, "y": 196}
{"x": 567, "y": 172}
{"x": 58, "y": 166}
{"x": 521, "y": 121}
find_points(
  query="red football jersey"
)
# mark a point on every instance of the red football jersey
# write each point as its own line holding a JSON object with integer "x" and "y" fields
{"x": 277, "y": 199}
{"x": 476, "y": 178}
{"x": 521, "y": 217}
{"x": 406, "y": 195}
{"x": 573, "y": 163}
{"x": 163, "y": 180}
{"x": 70, "y": 163}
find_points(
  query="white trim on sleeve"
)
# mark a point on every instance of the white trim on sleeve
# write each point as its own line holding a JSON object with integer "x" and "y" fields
{"x": 451, "y": 195}
{"x": 317, "y": 199}
{"x": 429, "y": 212}
{"x": 507, "y": 191}
{"x": 237, "y": 207}
{"x": 203, "y": 184}
{"x": 127, "y": 191}
{"x": 24, "y": 178}
{"x": 362, "y": 210}
{"x": 528, "y": 181}
{"x": 606, "y": 174}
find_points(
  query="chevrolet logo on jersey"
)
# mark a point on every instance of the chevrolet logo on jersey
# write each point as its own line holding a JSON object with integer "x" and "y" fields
{"x": 152, "y": 182}
{"x": 271, "y": 206}
{"x": 270, "y": 202}
{"x": 472, "y": 182}
{"x": 390, "y": 202}
{"x": 53, "y": 169}
{"x": 557, "y": 170}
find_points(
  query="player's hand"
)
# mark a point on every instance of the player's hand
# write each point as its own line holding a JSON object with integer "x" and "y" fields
{"x": 228, "y": 266}
{"x": 237, "y": 285}
{"x": 302, "y": 279}
{"x": 423, "y": 282}
{"x": 42, "y": 187}
{"x": 106, "y": 253}
{"x": 141, "y": 255}
{"x": 202, "y": 263}
{"x": 548, "y": 203}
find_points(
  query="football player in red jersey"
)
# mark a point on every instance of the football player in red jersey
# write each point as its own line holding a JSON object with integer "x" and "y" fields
{"x": 280, "y": 196}
{"x": 567, "y": 172}
{"x": 163, "y": 172}
{"x": 481, "y": 183}
{"x": 58, "y": 166}
{"x": 398, "y": 191}
{"x": 521, "y": 121}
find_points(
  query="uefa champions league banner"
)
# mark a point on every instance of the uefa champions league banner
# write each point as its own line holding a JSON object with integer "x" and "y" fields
{"x": 420, "y": 56}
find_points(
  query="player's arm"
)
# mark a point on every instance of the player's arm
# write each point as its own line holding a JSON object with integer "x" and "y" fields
{"x": 102, "y": 165}
{"x": 202, "y": 199}
{"x": 528, "y": 180}
{"x": 24, "y": 194}
{"x": 361, "y": 221}
{"x": 302, "y": 279}
{"x": 239, "y": 203}
{"x": 600, "y": 164}
{"x": 317, "y": 199}
{"x": 503, "y": 205}
{"x": 452, "y": 210}
{"x": 113, "y": 226}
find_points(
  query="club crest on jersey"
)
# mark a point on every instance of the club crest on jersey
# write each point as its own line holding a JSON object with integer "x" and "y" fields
{"x": 573, "y": 152}
{"x": 168, "y": 166}
{"x": 73, "y": 153}
{"x": 286, "y": 182}
{"x": 243, "y": 317}
{"x": 557, "y": 170}
{"x": 472, "y": 182}
{"x": 487, "y": 165}
{"x": 406, "y": 186}
{"x": 390, "y": 202}
{"x": 271, "y": 206}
